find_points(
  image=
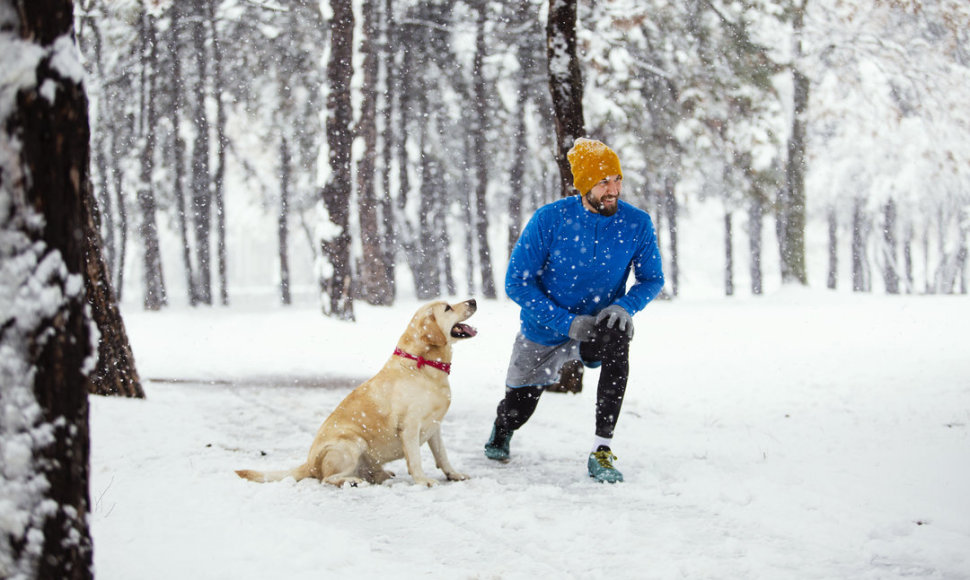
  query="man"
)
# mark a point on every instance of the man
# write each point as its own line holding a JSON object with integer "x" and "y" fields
{"x": 568, "y": 273}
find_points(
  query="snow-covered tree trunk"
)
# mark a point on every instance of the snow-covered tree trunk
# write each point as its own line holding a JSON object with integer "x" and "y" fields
{"x": 45, "y": 335}
{"x": 565, "y": 84}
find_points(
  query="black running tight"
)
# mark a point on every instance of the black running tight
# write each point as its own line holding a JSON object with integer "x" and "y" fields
{"x": 610, "y": 347}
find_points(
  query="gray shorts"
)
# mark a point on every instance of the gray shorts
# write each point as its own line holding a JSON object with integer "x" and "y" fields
{"x": 537, "y": 364}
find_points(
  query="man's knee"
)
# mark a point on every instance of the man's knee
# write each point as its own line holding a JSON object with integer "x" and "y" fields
{"x": 612, "y": 339}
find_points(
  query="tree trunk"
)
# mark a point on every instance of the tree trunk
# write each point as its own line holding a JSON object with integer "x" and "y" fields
{"x": 468, "y": 215}
{"x": 963, "y": 252}
{"x": 283, "y": 228}
{"x": 122, "y": 245}
{"x": 201, "y": 178}
{"x": 565, "y": 84}
{"x": 340, "y": 117}
{"x": 860, "y": 278}
{"x": 222, "y": 143}
{"x": 908, "y": 259}
{"x": 728, "y": 255}
{"x": 44, "y": 336}
{"x": 890, "y": 271}
{"x": 833, "y": 278}
{"x": 791, "y": 206}
{"x": 756, "y": 214}
{"x": 928, "y": 287}
{"x": 178, "y": 149}
{"x": 99, "y": 145}
{"x": 372, "y": 274}
{"x": 480, "y": 157}
{"x": 115, "y": 372}
{"x": 671, "y": 209}
{"x": 155, "y": 297}
{"x": 428, "y": 273}
{"x": 517, "y": 171}
{"x": 389, "y": 229}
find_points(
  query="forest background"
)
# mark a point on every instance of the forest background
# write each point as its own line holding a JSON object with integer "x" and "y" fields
{"x": 839, "y": 124}
{"x": 354, "y": 148}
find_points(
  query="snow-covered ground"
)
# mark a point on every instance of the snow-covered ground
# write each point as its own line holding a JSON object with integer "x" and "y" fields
{"x": 805, "y": 434}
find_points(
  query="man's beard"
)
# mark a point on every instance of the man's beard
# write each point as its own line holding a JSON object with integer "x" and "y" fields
{"x": 600, "y": 208}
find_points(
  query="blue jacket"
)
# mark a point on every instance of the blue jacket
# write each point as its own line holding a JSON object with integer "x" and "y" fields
{"x": 571, "y": 261}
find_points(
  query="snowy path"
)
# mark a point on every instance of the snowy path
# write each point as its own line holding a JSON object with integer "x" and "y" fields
{"x": 795, "y": 437}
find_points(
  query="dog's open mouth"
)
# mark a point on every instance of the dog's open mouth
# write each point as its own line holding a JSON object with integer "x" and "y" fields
{"x": 463, "y": 331}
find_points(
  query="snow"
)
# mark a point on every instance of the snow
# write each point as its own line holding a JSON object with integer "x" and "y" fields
{"x": 804, "y": 434}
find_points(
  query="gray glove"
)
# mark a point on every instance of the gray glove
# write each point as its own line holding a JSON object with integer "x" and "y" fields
{"x": 582, "y": 328}
{"x": 618, "y": 316}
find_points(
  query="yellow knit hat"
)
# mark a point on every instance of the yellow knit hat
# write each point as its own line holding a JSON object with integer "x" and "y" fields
{"x": 591, "y": 161}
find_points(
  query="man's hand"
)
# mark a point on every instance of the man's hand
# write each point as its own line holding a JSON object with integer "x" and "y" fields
{"x": 615, "y": 315}
{"x": 582, "y": 328}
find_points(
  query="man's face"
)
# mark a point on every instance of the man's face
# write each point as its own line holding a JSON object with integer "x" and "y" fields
{"x": 604, "y": 196}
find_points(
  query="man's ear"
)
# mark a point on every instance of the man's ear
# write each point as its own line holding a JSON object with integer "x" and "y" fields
{"x": 431, "y": 332}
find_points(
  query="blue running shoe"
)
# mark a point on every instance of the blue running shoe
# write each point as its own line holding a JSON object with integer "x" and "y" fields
{"x": 600, "y": 465}
{"x": 497, "y": 447}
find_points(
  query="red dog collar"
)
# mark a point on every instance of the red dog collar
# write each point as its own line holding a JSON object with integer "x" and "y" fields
{"x": 441, "y": 366}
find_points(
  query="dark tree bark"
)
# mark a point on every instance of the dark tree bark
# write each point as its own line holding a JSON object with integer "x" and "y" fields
{"x": 44, "y": 173}
{"x": 340, "y": 139}
{"x": 565, "y": 84}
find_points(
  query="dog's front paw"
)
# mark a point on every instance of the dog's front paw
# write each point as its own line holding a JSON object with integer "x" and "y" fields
{"x": 455, "y": 476}
{"x": 425, "y": 481}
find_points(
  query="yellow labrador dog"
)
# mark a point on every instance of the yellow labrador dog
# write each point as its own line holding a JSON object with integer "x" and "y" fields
{"x": 391, "y": 415}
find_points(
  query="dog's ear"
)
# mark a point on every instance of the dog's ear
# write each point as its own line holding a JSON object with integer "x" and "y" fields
{"x": 431, "y": 332}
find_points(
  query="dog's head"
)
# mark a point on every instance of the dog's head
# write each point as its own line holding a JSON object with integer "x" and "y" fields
{"x": 440, "y": 323}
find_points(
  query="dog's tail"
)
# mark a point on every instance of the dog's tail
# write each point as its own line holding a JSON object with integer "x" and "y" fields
{"x": 301, "y": 472}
